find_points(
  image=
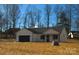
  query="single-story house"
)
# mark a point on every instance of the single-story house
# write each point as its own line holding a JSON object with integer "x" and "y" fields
{"x": 9, "y": 33}
{"x": 41, "y": 34}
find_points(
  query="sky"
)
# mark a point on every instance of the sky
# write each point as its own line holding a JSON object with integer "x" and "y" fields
{"x": 23, "y": 8}
{"x": 41, "y": 7}
{"x": 53, "y": 19}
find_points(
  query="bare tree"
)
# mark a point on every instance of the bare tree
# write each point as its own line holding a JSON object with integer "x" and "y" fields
{"x": 48, "y": 12}
{"x": 1, "y": 21}
{"x": 25, "y": 20}
{"x": 72, "y": 12}
{"x": 14, "y": 14}
{"x": 77, "y": 25}
{"x": 38, "y": 17}
{"x": 68, "y": 11}
{"x": 69, "y": 14}
{"x": 32, "y": 22}
{"x": 32, "y": 17}
{"x": 7, "y": 8}
{"x": 57, "y": 10}
{"x": 27, "y": 17}
{"x": 76, "y": 16}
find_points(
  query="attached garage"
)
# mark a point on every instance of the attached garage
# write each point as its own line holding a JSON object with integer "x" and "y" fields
{"x": 24, "y": 36}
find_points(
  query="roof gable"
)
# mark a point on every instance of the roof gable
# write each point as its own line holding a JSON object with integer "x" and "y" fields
{"x": 24, "y": 31}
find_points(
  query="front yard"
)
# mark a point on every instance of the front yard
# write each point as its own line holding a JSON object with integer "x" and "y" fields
{"x": 45, "y": 48}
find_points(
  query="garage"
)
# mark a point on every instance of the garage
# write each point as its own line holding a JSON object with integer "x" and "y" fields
{"x": 24, "y": 35}
{"x": 24, "y": 38}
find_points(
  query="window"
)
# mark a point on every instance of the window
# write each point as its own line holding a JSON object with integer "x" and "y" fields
{"x": 55, "y": 36}
{"x": 42, "y": 37}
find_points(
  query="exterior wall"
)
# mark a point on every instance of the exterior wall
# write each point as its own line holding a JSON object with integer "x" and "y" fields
{"x": 51, "y": 38}
{"x": 63, "y": 35}
{"x": 23, "y": 32}
{"x": 37, "y": 38}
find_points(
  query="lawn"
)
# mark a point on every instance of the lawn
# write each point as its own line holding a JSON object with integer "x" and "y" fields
{"x": 37, "y": 48}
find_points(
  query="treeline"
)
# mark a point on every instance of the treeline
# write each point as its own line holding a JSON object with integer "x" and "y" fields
{"x": 12, "y": 16}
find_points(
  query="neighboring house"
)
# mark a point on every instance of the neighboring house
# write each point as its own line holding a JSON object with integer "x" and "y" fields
{"x": 2, "y": 35}
{"x": 41, "y": 34}
{"x": 9, "y": 34}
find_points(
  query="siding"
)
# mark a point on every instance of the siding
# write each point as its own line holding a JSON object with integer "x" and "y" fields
{"x": 36, "y": 38}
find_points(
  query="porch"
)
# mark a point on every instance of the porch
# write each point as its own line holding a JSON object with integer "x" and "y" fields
{"x": 49, "y": 38}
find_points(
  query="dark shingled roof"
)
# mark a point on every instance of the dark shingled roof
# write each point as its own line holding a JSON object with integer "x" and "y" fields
{"x": 41, "y": 30}
{"x": 37, "y": 30}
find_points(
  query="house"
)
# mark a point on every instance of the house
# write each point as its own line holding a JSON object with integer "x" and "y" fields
{"x": 41, "y": 34}
{"x": 11, "y": 33}
{"x": 2, "y": 35}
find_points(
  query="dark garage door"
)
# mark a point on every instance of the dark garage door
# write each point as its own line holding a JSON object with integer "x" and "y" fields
{"x": 24, "y": 38}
